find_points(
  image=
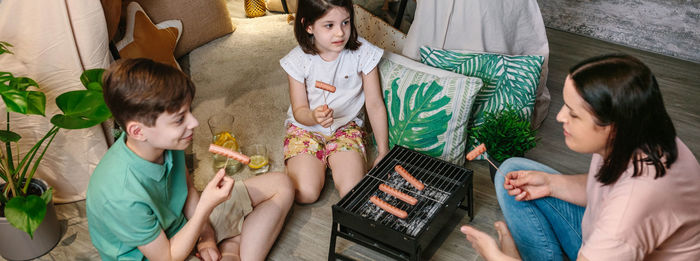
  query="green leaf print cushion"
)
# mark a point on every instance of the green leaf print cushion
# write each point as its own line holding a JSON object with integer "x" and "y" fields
{"x": 427, "y": 108}
{"x": 507, "y": 79}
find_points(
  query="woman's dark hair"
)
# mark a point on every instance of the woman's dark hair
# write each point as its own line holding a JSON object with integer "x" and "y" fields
{"x": 623, "y": 93}
{"x": 308, "y": 11}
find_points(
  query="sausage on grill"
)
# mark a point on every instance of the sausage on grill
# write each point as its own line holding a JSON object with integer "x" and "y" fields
{"x": 388, "y": 207}
{"x": 398, "y": 194}
{"x": 408, "y": 177}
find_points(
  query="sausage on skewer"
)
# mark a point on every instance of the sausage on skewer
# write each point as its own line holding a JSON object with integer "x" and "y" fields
{"x": 324, "y": 86}
{"x": 388, "y": 207}
{"x": 408, "y": 177}
{"x": 398, "y": 194}
{"x": 476, "y": 152}
{"x": 229, "y": 153}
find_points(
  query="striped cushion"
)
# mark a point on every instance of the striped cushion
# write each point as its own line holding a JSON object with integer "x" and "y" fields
{"x": 507, "y": 79}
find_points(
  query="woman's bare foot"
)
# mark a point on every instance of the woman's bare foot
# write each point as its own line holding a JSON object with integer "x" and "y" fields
{"x": 506, "y": 240}
{"x": 484, "y": 244}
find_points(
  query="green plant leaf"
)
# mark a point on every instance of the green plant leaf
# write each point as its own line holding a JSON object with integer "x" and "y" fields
{"x": 22, "y": 83}
{"x": 82, "y": 109}
{"x": 24, "y": 102}
{"x": 25, "y": 213}
{"x": 5, "y": 77}
{"x": 36, "y": 103}
{"x": 92, "y": 79}
{"x": 9, "y": 136}
{"x": 418, "y": 118}
{"x": 505, "y": 134}
{"x": 3, "y": 47}
{"x": 47, "y": 196}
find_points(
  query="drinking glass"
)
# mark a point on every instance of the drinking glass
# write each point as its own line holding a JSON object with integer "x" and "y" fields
{"x": 221, "y": 127}
{"x": 259, "y": 160}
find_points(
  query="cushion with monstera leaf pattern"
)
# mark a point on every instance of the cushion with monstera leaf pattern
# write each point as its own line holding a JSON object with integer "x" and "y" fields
{"x": 508, "y": 79}
{"x": 427, "y": 108}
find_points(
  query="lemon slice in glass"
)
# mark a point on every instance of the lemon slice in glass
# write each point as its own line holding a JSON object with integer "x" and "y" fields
{"x": 226, "y": 140}
{"x": 257, "y": 161}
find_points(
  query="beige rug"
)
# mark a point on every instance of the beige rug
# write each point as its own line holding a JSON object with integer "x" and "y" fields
{"x": 240, "y": 74}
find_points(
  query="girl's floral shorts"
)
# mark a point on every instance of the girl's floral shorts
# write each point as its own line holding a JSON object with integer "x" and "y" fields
{"x": 300, "y": 141}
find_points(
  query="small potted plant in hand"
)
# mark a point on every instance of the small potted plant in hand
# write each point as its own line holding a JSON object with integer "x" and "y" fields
{"x": 24, "y": 200}
{"x": 505, "y": 134}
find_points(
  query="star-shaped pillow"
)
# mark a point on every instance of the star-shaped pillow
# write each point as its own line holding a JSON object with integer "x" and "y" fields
{"x": 143, "y": 39}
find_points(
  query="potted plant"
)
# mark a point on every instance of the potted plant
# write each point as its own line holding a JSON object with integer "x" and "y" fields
{"x": 24, "y": 200}
{"x": 505, "y": 134}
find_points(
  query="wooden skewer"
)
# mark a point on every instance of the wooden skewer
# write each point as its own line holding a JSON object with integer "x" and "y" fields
{"x": 494, "y": 165}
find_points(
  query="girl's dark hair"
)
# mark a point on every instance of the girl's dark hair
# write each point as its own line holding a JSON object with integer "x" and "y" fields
{"x": 623, "y": 93}
{"x": 308, "y": 11}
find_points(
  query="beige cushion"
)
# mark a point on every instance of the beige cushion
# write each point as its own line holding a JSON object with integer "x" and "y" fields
{"x": 112, "y": 10}
{"x": 377, "y": 31}
{"x": 143, "y": 39}
{"x": 202, "y": 20}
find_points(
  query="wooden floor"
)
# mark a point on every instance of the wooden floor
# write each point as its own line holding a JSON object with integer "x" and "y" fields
{"x": 307, "y": 231}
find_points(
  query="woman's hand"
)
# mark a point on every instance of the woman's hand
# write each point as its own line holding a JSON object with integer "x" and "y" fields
{"x": 323, "y": 115}
{"x": 528, "y": 185}
{"x": 217, "y": 191}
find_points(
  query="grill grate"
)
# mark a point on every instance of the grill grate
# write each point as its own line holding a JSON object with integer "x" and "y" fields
{"x": 446, "y": 185}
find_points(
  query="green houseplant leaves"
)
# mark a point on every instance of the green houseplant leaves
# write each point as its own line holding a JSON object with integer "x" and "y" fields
{"x": 81, "y": 109}
{"x": 505, "y": 134}
{"x": 418, "y": 118}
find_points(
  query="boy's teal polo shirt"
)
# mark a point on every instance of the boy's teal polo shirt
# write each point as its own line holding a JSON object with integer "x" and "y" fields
{"x": 130, "y": 200}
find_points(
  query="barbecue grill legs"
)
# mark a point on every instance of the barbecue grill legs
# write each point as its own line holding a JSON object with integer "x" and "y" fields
{"x": 331, "y": 248}
{"x": 363, "y": 241}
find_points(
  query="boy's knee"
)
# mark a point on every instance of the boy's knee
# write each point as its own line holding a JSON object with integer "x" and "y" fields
{"x": 285, "y": 187}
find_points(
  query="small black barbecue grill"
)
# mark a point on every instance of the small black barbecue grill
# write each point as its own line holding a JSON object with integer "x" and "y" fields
{"x": 357, "y": 219}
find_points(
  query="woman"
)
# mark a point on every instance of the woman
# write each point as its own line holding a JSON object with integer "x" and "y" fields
{"x": 639, "y": 199}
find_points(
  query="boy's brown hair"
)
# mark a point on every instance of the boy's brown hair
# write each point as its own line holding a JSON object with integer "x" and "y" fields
{"x": 141, "y": 89}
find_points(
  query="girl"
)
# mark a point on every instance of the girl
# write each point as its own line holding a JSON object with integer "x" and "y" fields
{"x": 323, "y": 127}
{"x": 639, "y": 199}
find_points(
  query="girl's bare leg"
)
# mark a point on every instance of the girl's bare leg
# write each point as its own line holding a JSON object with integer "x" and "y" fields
{"x": 348, "y": 169}
{"x": 308, "y": 175}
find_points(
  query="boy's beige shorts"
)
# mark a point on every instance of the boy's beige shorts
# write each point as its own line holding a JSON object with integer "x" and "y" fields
{"x": 227, "y": 218}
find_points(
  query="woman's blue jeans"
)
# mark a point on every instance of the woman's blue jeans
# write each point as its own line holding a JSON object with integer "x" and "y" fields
{"x": 545, "y": 228}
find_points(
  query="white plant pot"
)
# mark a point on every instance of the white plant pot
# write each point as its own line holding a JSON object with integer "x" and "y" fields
{"x": 16, "y": 244}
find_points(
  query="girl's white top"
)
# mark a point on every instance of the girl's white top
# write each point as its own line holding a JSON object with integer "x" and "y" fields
{"x": 345, "y": 73}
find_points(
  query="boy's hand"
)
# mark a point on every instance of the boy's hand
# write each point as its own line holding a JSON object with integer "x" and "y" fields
{"x": 323, "y": 115}
{"x": 217, "y": 191}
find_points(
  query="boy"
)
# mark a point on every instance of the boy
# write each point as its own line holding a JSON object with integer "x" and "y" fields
{"x": 141, "y": 202}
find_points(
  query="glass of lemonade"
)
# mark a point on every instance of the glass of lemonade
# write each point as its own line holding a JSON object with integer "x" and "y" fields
{"x": 259, "y": 160}
{"x": 221, "y": 127}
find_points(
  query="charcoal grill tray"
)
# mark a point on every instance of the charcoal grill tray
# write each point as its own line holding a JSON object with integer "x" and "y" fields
{"x": 382, "y": 234}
